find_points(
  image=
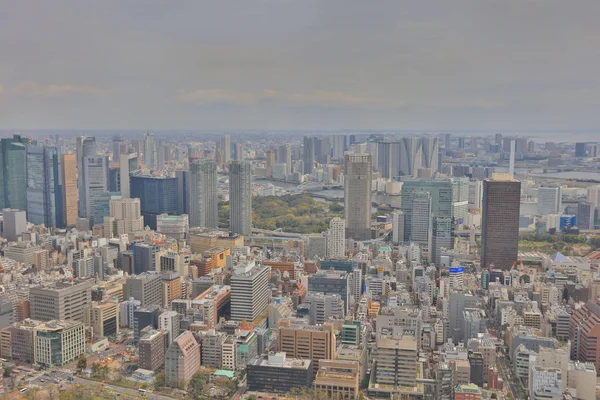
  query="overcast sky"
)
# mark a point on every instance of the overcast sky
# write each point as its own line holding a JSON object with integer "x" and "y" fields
{"x": 300, "y": 64}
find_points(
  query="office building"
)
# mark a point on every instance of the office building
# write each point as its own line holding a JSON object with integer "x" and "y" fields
{"x": 44, "y": 187}
{"x": 86, "y": 147}
{"x": 284, "y": 156}
{"x": 406, "y": 156}
{"x": 500, "y": 221}
{"x": 240, "y": 197}
{"x": 13, "y": 172}
{"x": 203, "y": 201}
{"x": 126, "y": 310}
{"x": 278, "y": 374}
{"x": 584, "y": 333}
{"x": 157, "y": 194}
{"x": 581, "y": 149}
{"x": 308, "y": 157}
{"x": 396, "y": 362}
{"x": 323, "y": 307}
{"x": 549, "y": 200}
{"x": 101, "y": 207}
{"x": 145, "y": 316}
{"x": 182, "y": 360}
{"x": 150, "y": 156}
{"x": 61, "y": 301}
{"x": 125, "y": 217}
{"x": 183, "y": 191}
{"x": 250, "y": 293}
{"x": 173, "y": 226}
{"x": 336, "y": 239}
{"x": 398, "y": 229}
{"x": 456, "y": 318}
{"x": 468, "y": 391}
{"x": 68, "y": 166}
{"x": 593, "y": 195}
{"x": 212, "y": 345}
{"x": 475, "y": 195}
{"x": 95, "y": 182}
{"x": 586, "y": 215}
{"x": 308, "y": 342}
{"x": 332, "y": 282}
{"x": 14, "y": 223}
{"x": 357, "y": 195}
{"x": 58, "y": 343}
{"x": 582, "y": 377}
{"x": 152, "y": 348}
{"x": 145, "y": 287}
{"x": 127, "y": 164}
{"x": 104, "y": 318}
{"x": 168, "y": 322}
{"x": 171, "y": 288}
{"x": 421, "y": 220}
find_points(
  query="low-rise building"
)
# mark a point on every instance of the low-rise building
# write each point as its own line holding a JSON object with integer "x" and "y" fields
{"x": 278, "y": 374}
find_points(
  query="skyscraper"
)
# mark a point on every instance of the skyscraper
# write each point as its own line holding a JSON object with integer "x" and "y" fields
{"x": 421, "y": 219}
{"x": 397, "y": 227}
{"x": 44, "y": 189}
{"x": 86, "y": 147}
{"x": 225, "y": 147}
{"x": 250, "y": 293}
{"x": 69, "y": 188}
{"x": 14, "y": 224}
{"x": 238, "y": 152}
{"x": 336, "y": 241}
{"x": 203, "y": 193}
{"x": 500, "y": 221}
{"x": 157, "y": 194}
{"x": 549, "y": 200}
{"x": 127, "y": 164}
{"x": 357, "y": 195}
{"x": 150, "y": 151}
{"x": 95, "y": 181}
{"x": 339, "y": 146}
{"x": 125, "y": 217}
{"x": 240, "y": 197}
{"x": 284, "y": 156}
{"x": 308, "y": 154}
{"x": 406, "y": 156}
{"x": 13, "y": 172}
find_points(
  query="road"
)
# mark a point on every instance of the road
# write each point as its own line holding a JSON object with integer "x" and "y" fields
{"x": 120, "y": 389}
{"x": 506, "y": 376}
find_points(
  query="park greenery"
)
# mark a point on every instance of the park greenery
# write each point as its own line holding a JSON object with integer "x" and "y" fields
{"x": 290, "y": 213}
{"x": 567, "y": 244}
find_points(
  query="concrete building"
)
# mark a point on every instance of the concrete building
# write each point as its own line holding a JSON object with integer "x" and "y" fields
{"x": 212, "y": 346}
{"x": 158, "y": 195}
{"x": 250, "y": 294}
{"x": 104, "y": 318}
{"x": 584, "y": 334}
{"x": 500, "y": 221}
{"x": 58, "y": 343}
{"x": 332, "y": 282}
{"x": 152, "y": 348}
{"x": 549, "y": 200}
{"x": 324, "y": 307}
{"x": 171, "y": 288}
{"x": 545, "y": 383}
{"x": 357, "y": 195}
{"x": 125, "y": 217}
{"x": 398, "y": 229}
{"x": 145, "y": 287}
{"x": 173, "y": 226}
{"x": 582, "y": 377}
{"x": 336, "y": 239}
{"x": 228, "y": 353}
{"x": 168, "y": 322}
{"x": 278, "y": 374}
{"x": 21, "y": 252}
{"x": 126, "y": 310}
{"x": 240, "y": 197}
{"x": 340, "y": 379}
{"x": 146, "y": 316}
{"x": 310, "y": 342}
{"x": 396, "y": 362}
{"x": 61, "y": 301}
{"x": 203, "y": 201}
{"x": 14, "y": 223}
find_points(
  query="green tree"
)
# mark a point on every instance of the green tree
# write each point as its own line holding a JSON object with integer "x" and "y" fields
{"x": 159, "y": 379}
{"x": 198, "y": 387}
{"x": 82, "y": 362}
{"x": 7, "y": 371}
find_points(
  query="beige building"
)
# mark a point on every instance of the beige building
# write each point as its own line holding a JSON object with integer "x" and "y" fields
{"x": 125, "y": 217}
{"x": 69, "y": 194}
{"x": 340, "y": 379}
{"x": 203, "y": 239}
{"x": 582, "y": 378}
{"x": 357, "y": 195}
{"x": 61, "y": 301}
{"x": 59, "y": 342}
{"x": 314, "y": 342}
{"x": 396, "y": 362}
{"x": 104, "y": 318}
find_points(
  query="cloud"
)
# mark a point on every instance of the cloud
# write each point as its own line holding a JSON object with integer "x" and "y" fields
{"x": 320, "y": 98}
{"x": 40, "y": 90}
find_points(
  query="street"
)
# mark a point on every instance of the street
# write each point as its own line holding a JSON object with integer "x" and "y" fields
{"x": 120, "y": 389}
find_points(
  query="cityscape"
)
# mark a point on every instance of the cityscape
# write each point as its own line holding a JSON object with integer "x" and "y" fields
{"x": 341, "y": 243}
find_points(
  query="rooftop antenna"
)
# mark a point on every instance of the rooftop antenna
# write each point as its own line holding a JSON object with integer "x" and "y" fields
{"x": 511, "y": 165}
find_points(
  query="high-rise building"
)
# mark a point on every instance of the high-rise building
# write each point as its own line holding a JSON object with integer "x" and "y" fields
{"x": 309, "y": 342}
{"x": 581, "y": 149}
{"x": 150, "y": 151}
{"x": 183, "y": 191}
{"x": 238, "y": 153}
{"x": 250, "y": 293}
{"x": 549, "y": 200}
{"x": 143, "y": 317}
{"x": 308, "y": 154}
{"x": 586, "y": 215}
{"x": 61, "y": 301}
{"x": 86, "y": 147}
{"x": 332, "y": 282}
{"x": 145, "y": 287}
{"x": 398, "y": 221}
{"x": 152, "y": 348}
{"x": 13, "y": 172}
{"x": 240, "y": 197}
{"x": 14, "y": 223}
{"x": 168, "y": 321}
{"x": 225, "y": 146}
{"x": 203, "y": 201}
{"x": 396, "y": 362}
{"x": 406, "y": 156}
{"x": 421, "y": 219}
{"x": 104, "y": 318}
{"x": 357, "y": 195}
{"x": 173, "y": 226}
{"x": 339, "y": 146}
{"x": 101, "y": 207}
{"x": 323, "y": 307}
{"x": 584, "y": 333}
{"x": 182, "y": 360}
{"x": 475, "y": 194}
{"x": 336, "y": 240}
{"x": 127, "y": 164}
{"x": 125, "y": 217}
{"x": 95, "y": 181}
{"x": 500, "y": 221}
{"x": 44, "y": 187}
{"x": 68, "y": 172}
{"x": 157, "y": 194}
{"x": 284, "y": 156}
{"x": 593, "y": 195}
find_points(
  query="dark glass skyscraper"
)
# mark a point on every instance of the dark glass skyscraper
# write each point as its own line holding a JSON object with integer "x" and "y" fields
{"x": 44, "y": 187}
{"x": 13, "y": 172}
{"x": 157, "y": 194}
{"x": 500, "y": 221}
